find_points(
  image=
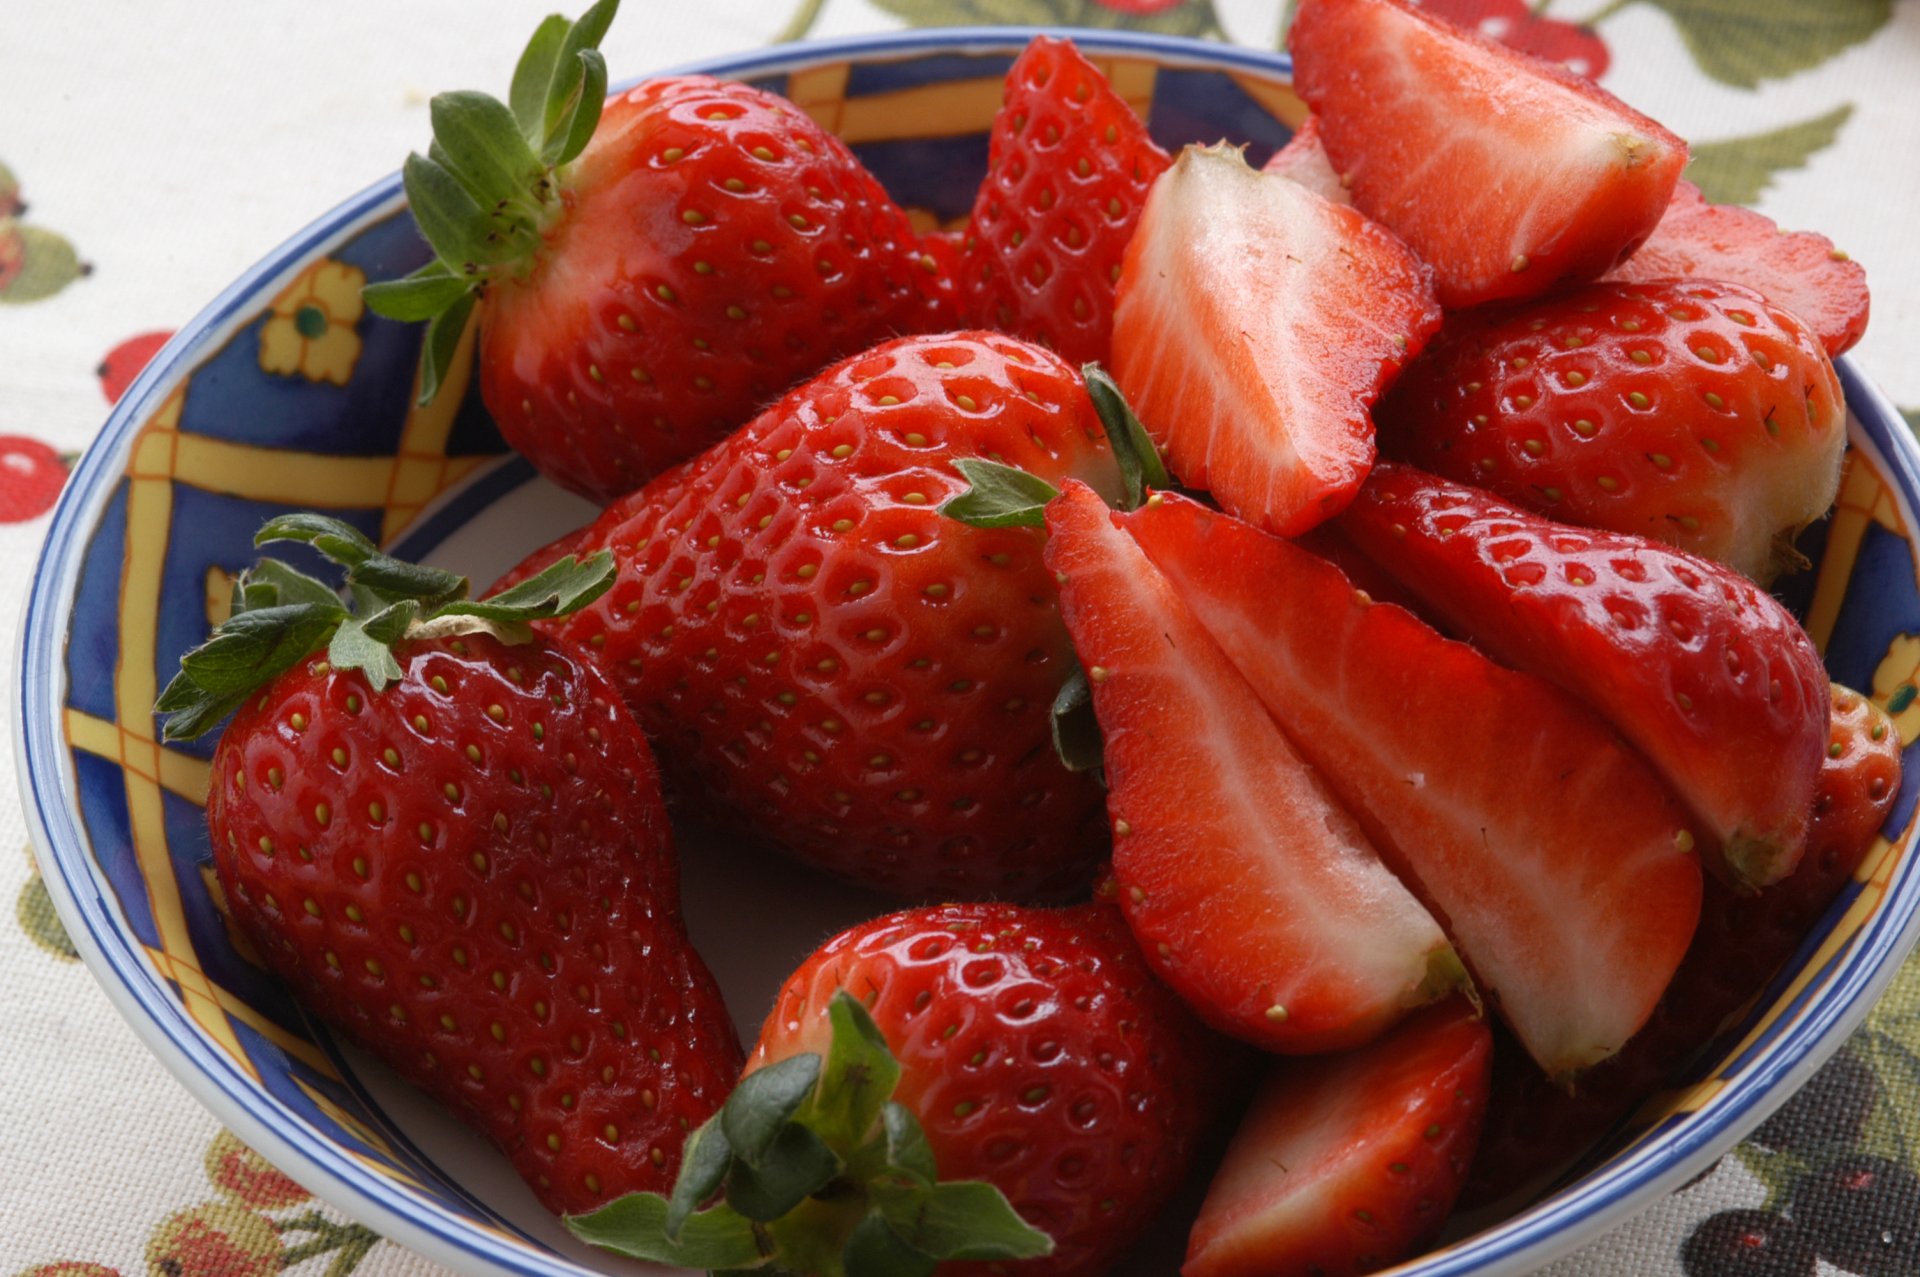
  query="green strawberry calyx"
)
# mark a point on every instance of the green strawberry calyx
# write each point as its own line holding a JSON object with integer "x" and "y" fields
{"x": 280, "y": 616}
{"x": 811, "y": 1167}
{"x": 488, "y": 188}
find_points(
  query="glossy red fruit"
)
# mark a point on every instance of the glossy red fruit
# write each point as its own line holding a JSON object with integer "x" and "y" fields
{"x": 941, "y": 307}
{"x": 1252, "y": 893}
{"x": 1801, "y": 272}
{"x": 1690, "y": 412}
{"x": 31, "y": 477}
{"x": 1512, "y": 23}
{"x": 824, "y": 657}
{"x": 1701, "y": 670}
{"x": 1534, "y": 1128}
{"x": 1305, "y": 161}
{"x": 1039, "y": 1055}
{"x": 1509, "y": 174}
{"x": 1562, "y": 867}
{"x": 125, "y": 361}
{"x": 1068, "y": 170}
{"x": 1347, "y": 1163}
{"x": 1256, "y": 325}
{"x": 471, "y": 872}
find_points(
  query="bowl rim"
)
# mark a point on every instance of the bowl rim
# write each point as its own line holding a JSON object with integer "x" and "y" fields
{"x": 1571, "y": 1217}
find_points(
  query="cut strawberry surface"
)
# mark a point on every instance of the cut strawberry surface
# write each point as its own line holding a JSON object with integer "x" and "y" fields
{"x": 1699, "y": 668}
{"x": 1798, "y": 271}
{"x": 1304, "y": 160}
{"x": 1348, "y": 1163}
{"x": 1560, "y": 863}
{"x": 1506, "y": 172}
{"x": 1252, "y": 893}
{"x": 1256, "y": 325}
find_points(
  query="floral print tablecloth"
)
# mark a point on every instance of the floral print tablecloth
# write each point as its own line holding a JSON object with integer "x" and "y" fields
{"x": 149, "y": 153}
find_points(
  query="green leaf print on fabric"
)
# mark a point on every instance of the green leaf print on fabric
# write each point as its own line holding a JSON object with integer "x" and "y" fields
{"x": 1169, "y": 17}
{"x": 1913, "y": 419}
{"x": 34, "y": 910}
{"x": 1737, "y": 170}
{"x": 1742, "y": 42}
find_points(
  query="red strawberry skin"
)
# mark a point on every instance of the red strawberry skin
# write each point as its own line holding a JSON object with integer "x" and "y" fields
{"x": 1252, "y": 893}
{"x": 1562, "y": 867}
{"x": 716, "y": 247}
{"x": 1375, "y": 1146}
{"x": 1799, "y": 271}
{"x": 1039, "y": 1054}
{"x": 1691, "y": 412}
{"x": 1068, "y": 170}
{"x": 1508, "y": 173}
{"x": 1256, "y": 324}
{"x": 472, "y": 874}
{"x": 1700, "y": 669}
{"x": 1305, "y": 160}
{"x": 820, "y": 654}
{"x": 1535, "y": 1128}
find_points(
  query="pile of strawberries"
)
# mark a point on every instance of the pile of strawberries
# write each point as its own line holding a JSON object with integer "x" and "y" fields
{"x": 1258, "y": 802}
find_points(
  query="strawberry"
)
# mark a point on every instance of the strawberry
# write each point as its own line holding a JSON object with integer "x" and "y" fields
{"x": 1252, "y": 893}
{"x": 1691, "y": 412}
{"x": 1305, "y": 161}
{"x": 941, "y": 305}
{"x": 1801, "y": 272}
{"x": 1534, "y": 1127}
{"x": 1372, "y": 1147}
{"x": 984, "y": 1065}
{"x": 1068, "y": 169}
{"x": 824, "y": 657}
{"x": 1560, "y": 864}
{"x": 445, "y": 834}
{"x": 651, "y": 282}
{"x": 1256, "y": 324}
{"x": 1701, "y": 670}
{"x": 1508, "y": 173}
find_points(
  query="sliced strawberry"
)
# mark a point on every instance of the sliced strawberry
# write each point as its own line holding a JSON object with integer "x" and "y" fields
{"x": 1251, "y": 892}
{"x": 1305, "y": 160}
{"x": 1699, "y": 668}
{"x": 1561, "y": 865}
{"x": 1508, "y": 173}
{"x": 1799, "y": 271}
{"x": 1348, "y": 1163}
{"x": 1068, "y": 169}
{"x": 1255, "y": 327}
{"x": 1534, "y": 1127}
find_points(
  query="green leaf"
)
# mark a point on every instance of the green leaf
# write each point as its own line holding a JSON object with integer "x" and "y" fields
{"x": 442, "y": 341}
{"x": 390, "y": 579}
{"x": 635, "y": 1226}
{"x": 967, "y": 1219}
{"x": 1000, "y": 496}
{"x": 703, "y": 1165}
{"x": 874, "y": 1250}
{"x": 907, "y": 1147}
{"x": 367, "y": 645}
{"x": 270, "y": 582}
{"x": 858, "y": 1077}
{"x": 1076, "y": 731}
{"x": 795, "y": 1166}
{"x": 1737, "y": 170}
{"x": 764, "y": 1102}
{"x": 1133, "y": 450}
{"x": 582, "y": 110}
{"x": 421, "y": 295}
{"x": 561, "y": 589}
{"x": 1742, "y": 42}
{"x": 451, "y": 219}
{"x": 46, "y": 263}
{"x": 340, "y": 541}
{"x": 563, "y": 94}
{"x": 246, "y": 653}
{"x": 531, "y": 76}
{"x": 1191, "y": 18}
{"x": 481, "y": 144}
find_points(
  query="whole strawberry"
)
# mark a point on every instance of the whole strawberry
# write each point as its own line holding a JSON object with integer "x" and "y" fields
{"x": 822, "y": 655}
{"x": 1068, "y": 171}
{"x": 1691, "y": 412}
{"x": 445, "y": 833}
{"x": 1026, "y": 1053}
{"x": 651, "y": 282}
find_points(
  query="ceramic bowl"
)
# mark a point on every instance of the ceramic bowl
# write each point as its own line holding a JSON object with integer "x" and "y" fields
{"x": 285, "y": 393}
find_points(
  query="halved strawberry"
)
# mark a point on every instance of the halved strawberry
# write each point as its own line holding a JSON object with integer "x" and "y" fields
{"x": 1697, "y": 666}
{"x": 1348, "y": 1163}
{"x": 1305, "y": 160}
{"x": 1561, "y": 865}
{"x": 1799, "y": 271}
{"x": 1252, "y": 893}
{"x": 1506, "y": 172}
{"x": 1256, "y": 325}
